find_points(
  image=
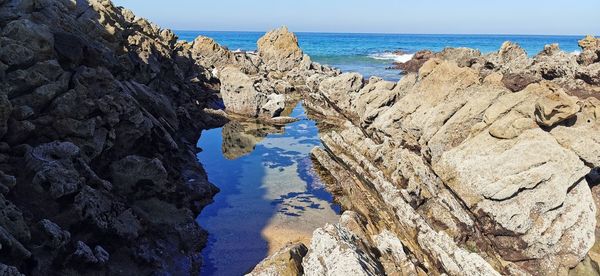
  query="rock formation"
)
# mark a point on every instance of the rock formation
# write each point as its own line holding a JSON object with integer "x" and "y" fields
{"x": 470, "y": 174}
{"x": 470, "y": 165}
{"x": 100, "y": 111}
{"x": 255, "y": 85}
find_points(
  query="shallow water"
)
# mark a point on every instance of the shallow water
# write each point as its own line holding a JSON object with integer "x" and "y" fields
{"x": 270, "y": 194}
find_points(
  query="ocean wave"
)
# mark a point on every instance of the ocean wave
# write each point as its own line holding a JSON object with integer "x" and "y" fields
{"x": 400, "y": 58}
{"x": 576, "y": 53}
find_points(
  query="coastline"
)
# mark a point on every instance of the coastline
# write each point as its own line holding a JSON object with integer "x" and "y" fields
{"x": 437, "y": 173}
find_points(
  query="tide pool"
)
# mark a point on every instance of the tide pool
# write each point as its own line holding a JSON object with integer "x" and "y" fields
{"x": 270, "y": 194}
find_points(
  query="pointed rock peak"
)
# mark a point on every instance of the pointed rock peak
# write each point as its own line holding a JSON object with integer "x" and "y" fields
{"x": 511, "y": 50}
{"x": 206, "y": 43}
{"x": 279, "y": 48}
{"x": 589, "y": 42}
{"x": 550, "y": 49}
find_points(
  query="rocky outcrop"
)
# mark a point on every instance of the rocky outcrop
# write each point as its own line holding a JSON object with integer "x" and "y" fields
{"x": 100, "y": 111}
{"x": 280, "y": 51}
{"x": 243, "y": 95}
{"x": 448, "y": 162}
{"x": 286, "y": 261}
{"x": 256, "y": 85}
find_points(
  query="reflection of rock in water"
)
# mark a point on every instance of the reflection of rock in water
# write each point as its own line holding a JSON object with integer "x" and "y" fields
{"x": 240, "y": 138}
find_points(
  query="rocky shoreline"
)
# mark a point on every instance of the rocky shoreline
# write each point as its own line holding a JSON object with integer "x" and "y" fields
{"x": 470, "y": 165}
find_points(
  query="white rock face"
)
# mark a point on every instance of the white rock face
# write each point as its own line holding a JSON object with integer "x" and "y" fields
{"x": 336, "y": 250}
{"x": 241, "y": 96}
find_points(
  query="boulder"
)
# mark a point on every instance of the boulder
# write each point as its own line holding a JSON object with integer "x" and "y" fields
{"x": 56, "y": 237}
{"x": 36, "y": 37}
{"x": 415, "y": 63}
{"x": 336, "y": 250}
{"x": 518, "y": 81}
{"x": 241, "y": 95}
{"x": 286, "y": 261}
{"x": 53, "y": 168}
{"x": 279, "y": 50}
{"x": 555, "y": 108}
{"x": 135, "y": 174}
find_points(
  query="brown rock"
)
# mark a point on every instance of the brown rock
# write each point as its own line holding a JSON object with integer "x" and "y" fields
{"x": 414, "y": 64}
{"x": 555, "y": 108}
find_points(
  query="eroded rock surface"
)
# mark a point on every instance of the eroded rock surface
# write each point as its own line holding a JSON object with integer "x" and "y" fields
{"x": 475, "y": 163}
{"x": 100, "y": 111}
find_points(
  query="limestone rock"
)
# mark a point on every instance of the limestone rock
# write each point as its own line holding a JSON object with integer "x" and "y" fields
{"x": 286, "y": 261}
{"x": 589, "y": 42}
{"x": 336, "y": 250}
{"x": 555, "y": 108}
{"x": 241, "y": 96}
{"x": 279, "y": 49}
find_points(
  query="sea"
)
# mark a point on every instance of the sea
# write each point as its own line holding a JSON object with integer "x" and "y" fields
{"x": 374, "y": 54}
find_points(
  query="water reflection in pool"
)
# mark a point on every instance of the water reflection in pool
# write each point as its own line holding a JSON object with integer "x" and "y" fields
{"x": 270, "y": 194}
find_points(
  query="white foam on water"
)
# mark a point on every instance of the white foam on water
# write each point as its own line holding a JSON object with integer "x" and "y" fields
{"x": 576, "y": 53}
{"x": 400, "y": 58}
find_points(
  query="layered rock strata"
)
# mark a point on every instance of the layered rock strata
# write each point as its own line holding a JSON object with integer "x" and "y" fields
{"x": 472, "y": 165}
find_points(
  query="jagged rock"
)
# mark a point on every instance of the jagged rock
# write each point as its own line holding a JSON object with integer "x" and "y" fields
{"x": 7, "y": 182}
{"x": 83, "y": 253}
{"x": 464, "y": 57}
{"x": 415, "y": 63}
{"x": 127, "y": 225}
{"x": 11, "y": 218}
{"x": 54, "y": 169}
{"x": 36, "y": 37}
{"x": 96, "y": 207}
{"x": 5, "y": 111}
{"x": 511, "y": 58}
{"x": 518, "y": 81}
{"x": 138, "y": 174}
{"x": 286, "y": 261}
{"x": 589, "y": 42}
{"x": 241, "y": 96}
{"x": 210, "y": 53}
{"x": 552, "y": 63}
{"x": 279, "y": 50}
{"x": 101, "y": 255}
{"x": 582, "y": 136}
{"x": 555, "y": 108}
{"x": 340, "y": 89}
{"x": 482, "y": 141}
{"x": 56, "y": 236}
{"x": 14, "y": 53}
{"x": 336, "y": 250}
{"x": 6, "y": 270}
{"x": 590, "y": 74}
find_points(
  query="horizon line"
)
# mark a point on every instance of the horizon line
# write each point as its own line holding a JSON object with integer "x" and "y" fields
{"x": 387, "y": 33}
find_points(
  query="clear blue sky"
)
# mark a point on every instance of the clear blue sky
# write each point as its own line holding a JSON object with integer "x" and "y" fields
{"x": 376, "y": 16}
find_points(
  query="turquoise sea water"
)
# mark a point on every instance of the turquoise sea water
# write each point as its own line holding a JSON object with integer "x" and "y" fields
{"x": 371, "y": 54}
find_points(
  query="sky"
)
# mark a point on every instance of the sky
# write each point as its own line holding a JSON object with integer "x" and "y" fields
{"x": 557, "y": 17}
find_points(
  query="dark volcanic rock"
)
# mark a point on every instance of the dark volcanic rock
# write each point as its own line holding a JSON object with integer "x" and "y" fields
{"x": 99, "y": 114}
